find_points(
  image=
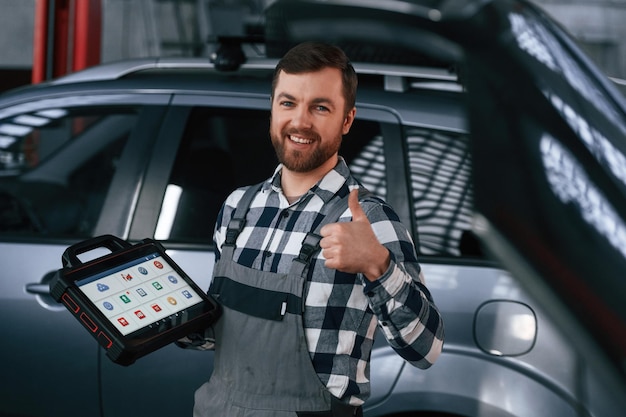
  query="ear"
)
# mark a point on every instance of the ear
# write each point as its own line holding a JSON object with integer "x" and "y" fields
{"x": 347, "y": 122}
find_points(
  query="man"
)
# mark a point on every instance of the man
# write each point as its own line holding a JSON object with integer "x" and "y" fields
{"x": 306, "y": 271}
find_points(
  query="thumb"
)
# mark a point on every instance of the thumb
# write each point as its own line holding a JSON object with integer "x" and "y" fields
{"x": 358, "y": 214}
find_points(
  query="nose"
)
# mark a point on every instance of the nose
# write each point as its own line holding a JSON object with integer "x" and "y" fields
{"x": 301, "y": 117}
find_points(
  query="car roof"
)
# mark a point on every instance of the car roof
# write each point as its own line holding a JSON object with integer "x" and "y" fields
{"x": 423, "y": 96}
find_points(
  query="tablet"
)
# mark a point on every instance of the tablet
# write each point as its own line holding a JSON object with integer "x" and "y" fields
{"x": 134, "y": 300}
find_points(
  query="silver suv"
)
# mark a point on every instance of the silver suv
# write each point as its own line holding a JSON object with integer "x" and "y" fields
{"x": 151, "y": 147}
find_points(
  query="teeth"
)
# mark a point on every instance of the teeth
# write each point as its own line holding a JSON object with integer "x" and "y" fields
{"x": 300, "y": 140}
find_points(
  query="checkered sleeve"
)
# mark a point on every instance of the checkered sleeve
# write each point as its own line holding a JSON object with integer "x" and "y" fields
{"x": 403, "y": 305}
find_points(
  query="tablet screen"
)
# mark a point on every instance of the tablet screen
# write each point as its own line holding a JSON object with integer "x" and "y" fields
{"x": 139, "y": 293}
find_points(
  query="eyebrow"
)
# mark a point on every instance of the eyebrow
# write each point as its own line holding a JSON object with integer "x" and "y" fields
{"x": 319, "y": 100}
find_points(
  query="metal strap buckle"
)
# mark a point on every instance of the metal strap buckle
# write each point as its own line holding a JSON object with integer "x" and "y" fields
{"x": 310, "y": 245}
{"x": 235, "y": 226}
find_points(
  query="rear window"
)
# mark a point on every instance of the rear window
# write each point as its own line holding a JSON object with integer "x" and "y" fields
{"x": 440, "y": 165}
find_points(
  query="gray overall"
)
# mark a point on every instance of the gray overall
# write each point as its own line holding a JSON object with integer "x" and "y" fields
{"x": 262, "y": 363}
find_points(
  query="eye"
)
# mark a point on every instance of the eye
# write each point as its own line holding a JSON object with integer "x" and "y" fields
{"x": 322, "y": 109}
{"x": 286, "y": 103}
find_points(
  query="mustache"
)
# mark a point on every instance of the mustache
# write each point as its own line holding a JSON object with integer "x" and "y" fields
{"x": 305, "y": 133}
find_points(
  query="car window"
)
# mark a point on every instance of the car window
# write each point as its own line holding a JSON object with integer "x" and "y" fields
{"x": 56, "y": 166}
{"x": 442, "y": 192}
{"x": 223, "y": 149}
{"x": 220, "y": 150}
{"x": 366, "y": 158}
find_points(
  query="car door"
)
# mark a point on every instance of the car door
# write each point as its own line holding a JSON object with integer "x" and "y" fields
{"x": 219, "y": 144}
{"x": 207, "y": 147}
{"x": 63, "y": 158}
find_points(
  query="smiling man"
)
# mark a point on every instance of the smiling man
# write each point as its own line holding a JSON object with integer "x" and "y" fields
{"x": 309, "y": 265}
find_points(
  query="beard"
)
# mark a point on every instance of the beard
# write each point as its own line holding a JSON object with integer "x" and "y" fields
{"x": 298, "y": 161}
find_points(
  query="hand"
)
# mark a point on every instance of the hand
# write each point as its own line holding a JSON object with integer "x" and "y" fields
{"x": 353, "y": 247}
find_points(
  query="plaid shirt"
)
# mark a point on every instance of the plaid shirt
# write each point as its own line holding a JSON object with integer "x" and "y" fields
{"x": 341, "y": 310}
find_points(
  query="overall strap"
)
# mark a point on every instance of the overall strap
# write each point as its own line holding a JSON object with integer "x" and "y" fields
{"x": 238, "y": 221}
{"x": 311, "y": 242}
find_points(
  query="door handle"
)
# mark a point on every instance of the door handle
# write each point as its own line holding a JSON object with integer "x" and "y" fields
{"x": 42, "y": 291}
{"x": 38, "y": 289}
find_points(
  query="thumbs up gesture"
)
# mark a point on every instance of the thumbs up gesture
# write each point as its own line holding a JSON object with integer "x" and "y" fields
{"x": 353, "y": 247}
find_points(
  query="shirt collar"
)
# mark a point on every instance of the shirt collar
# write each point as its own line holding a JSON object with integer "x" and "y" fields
{"x": 325, "y": 189}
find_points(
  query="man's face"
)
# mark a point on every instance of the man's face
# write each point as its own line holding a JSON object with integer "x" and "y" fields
{"x": 309, "y": 119}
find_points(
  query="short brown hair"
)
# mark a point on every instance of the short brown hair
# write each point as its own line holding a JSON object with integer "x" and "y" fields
{"x": 315, "y": 56}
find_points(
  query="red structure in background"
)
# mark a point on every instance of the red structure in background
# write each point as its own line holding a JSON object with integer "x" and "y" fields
{"x": 67, "y": 37}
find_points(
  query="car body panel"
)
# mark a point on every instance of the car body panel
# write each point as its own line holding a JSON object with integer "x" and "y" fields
{"x": 468, "y": 382}
{"x": 58, "y": 358}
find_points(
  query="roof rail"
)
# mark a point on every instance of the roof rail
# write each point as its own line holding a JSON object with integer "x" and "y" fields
{"x": 400, "y": 78}
{"x": 119, "y": 69}
{"x": 397, "y": 77}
